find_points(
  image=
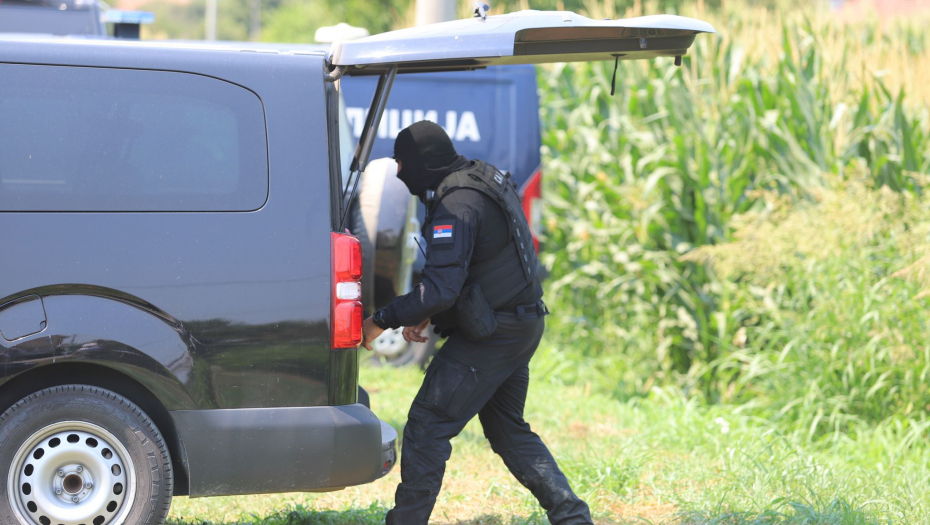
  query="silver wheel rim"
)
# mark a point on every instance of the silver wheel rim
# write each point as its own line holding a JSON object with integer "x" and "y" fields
{"x": 71, "y": 473}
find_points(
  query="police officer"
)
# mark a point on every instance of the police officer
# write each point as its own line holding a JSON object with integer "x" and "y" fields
{"x": 481, "y": 288}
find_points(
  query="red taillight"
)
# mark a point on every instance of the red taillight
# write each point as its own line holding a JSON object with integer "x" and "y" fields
{"x": 532, "y": 204}
{"x": 347, "y": 290}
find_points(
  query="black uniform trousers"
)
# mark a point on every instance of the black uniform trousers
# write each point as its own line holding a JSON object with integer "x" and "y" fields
{"x": 488, "y": 378}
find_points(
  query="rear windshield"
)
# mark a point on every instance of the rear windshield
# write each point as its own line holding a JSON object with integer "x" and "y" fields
{"x": 95, "y": 139}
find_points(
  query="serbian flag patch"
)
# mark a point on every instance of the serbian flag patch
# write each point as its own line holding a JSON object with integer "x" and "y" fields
{"x": 442, "y": 231}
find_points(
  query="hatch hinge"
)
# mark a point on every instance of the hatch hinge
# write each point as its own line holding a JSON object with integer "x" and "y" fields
{"x": 335, "y": 73}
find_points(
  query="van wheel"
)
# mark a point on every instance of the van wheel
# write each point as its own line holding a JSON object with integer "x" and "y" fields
{"x": 81, "y": 455}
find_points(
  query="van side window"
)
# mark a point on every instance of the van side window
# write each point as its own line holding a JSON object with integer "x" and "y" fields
{"x": 98, "y": 139}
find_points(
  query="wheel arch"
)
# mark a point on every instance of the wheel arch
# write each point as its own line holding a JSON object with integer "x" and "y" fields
{"x": 69, "y": 373}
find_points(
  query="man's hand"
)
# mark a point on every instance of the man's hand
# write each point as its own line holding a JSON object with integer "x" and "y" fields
{"x": 370, "y": 332}
{"x": 414, "y": 334}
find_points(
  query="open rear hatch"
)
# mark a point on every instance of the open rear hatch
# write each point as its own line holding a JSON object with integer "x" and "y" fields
{"x": 525, "y": 37}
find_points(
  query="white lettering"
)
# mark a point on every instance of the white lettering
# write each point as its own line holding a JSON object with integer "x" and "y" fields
{"x": 394, "y": 123}
{"x": 431, "y": 115}
{"x": 468, "y": 128}
{"x": 382, "y": 126}
{"x": 458, "y": 127}
{"x": 451, "y": 123}
{"x": 406, "y": 118}
{"x": 356, "y": 118}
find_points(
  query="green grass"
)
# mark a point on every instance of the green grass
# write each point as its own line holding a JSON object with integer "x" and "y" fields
{"x": 657, "y": 459}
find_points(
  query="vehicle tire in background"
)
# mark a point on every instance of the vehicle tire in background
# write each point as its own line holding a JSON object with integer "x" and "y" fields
{"x": 384, "y": 218}
{"x": 391, "y": 349}
{"x": 81, "y": 455}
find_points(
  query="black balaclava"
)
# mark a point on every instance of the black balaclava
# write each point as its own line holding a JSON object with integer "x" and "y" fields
{"x": 427, "y": 156}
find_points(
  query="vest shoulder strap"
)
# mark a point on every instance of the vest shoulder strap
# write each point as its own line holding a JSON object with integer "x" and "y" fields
{"x": 503, "y": 276}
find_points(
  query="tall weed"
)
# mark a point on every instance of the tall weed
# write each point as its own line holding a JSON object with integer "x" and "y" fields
{"x": 655, "y": 193}
{"x": 827, "y": 328}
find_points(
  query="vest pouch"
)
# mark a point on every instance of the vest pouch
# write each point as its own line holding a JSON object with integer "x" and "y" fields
{"x": 473, "y": 314}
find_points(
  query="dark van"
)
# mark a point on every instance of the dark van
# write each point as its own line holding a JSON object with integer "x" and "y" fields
{"x": 179, "y": 302}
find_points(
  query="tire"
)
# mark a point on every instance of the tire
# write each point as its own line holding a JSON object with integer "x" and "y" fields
{"x": 365, "y": 212}
{"x": 383, "y": 217}
{"x": 81, "y": 455}
{"x": 413, "y": 354}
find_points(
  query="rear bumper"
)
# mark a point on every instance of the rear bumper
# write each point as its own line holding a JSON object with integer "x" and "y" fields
{"x": 268, "y": 450}
{"x": 388, "y": 448}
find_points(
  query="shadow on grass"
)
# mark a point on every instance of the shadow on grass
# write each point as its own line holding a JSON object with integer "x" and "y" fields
{"x": 373, "y": 515}
{"x": 301, "y": 515}
{"x": 791, "y": 513}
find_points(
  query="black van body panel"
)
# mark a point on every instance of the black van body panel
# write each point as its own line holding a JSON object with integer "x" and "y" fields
{"x": 223, "y": 317}
{"x": 243, "y": 452}
{"x": 102, "y": 331}
{"x": 250, "y": 303}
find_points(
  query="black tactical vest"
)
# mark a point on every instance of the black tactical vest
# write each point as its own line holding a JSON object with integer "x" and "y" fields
{"x": 508, "y": 273}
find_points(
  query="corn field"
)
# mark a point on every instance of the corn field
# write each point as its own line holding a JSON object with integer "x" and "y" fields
{"x": 750, "y": 228}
